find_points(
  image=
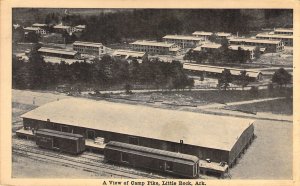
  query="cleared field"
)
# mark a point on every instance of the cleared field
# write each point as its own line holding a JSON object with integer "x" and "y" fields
{"x": 214, "y": 96}
{"x": 280, "y": 106}
{"x": 282, "y": 58}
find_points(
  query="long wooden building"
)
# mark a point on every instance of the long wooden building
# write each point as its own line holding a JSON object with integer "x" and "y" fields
{"x": 218, "y": 138}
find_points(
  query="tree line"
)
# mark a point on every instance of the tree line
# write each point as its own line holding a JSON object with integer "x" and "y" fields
{"x": 101, "y": 73}
{"x": 131, "y": 24}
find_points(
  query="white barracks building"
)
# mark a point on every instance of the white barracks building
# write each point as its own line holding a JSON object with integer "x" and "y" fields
{"x": 154, "y": 47}
{"x": 94, "y": 49}
{"x": 280, "y": 34}
{"x": 184, "y": 41}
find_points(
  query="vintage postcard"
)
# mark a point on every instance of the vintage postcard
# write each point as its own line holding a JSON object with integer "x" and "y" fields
{"x": 156, "y": 93}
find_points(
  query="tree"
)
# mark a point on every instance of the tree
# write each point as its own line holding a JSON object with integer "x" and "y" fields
{"x": 254, "y": 91}
{"x": 128, "y": 88}
{"x": 213, "y": 38}
{"x": 37, "y": 69}
{"x": 224, "y": 44}
{"x": 241, "y": 55}
{"x": 190, "y": 83}
{"x": 32, "y": 37}
{"x": 224, "y": 79}
{"x": 188, "y": 55}
{"x": 281, "y": 77}
{"x": 243, "y": 79}
{"x": 18, "y": 35}
{"x": 257, "y": 53}
{"x": 134, "y": 69}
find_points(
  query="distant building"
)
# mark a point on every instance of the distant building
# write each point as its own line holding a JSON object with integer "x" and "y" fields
{"x": 39, "y": 25}
{"x": 129, "y": 54}
{"x": 79, "y": 28}
{"x": 57, "y": 52}
{"x": 223, "y": 35}
{"x": 90, "y": 48}
{"x": 53, "y": 38}
{"x": 269, "y": 45}
{"x": 206, "y": 35}
{"x": 283, "y": 31}
{"x": 286, "y": 39}
{"x": 209, "y": 47}
{"x": 217, "y": 70}
{"x": 36, "y": 30}
{"x": 183, "y": 41}
{"x": 62, "y": 28}
{"x": 154, "y": 47}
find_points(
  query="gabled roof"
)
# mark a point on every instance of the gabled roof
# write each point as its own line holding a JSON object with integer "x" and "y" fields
{"x": 211, "y": 45}
{"x": 277, "y": 36}
{"x": 80, "y": 26}
{"x": 146, "y": 151}
{"x": 251, "y": 40}
{"x": 60, "y": 26}
{"x": 223, "y": 34}
{"x": 283, "y": 30}
{"x": 128, "y": 53}
{"x": 39, "y": 25}
{"x": 219, "y": 70}
{"x": 210, "y": 131}
{"x": 152, "y": 43}
{"x": 57, "y": 51}
{"x": 182, "y": 37}
{"x": 202, "y": 33}
{"x": 32, "y": 28}
{"x": 84, "y": 43}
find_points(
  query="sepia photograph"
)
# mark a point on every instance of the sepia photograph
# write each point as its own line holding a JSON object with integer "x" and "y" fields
{"x": 151, "y": 93}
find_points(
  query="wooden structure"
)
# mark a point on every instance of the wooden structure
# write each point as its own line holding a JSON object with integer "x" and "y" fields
{"x": 218, "y": 138}
{"x": 61, "y": 141}
{"x": 182, "y": 165}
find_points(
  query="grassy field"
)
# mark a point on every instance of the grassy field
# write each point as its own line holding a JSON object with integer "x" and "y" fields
{"x": 214, "y": 96}
{"x": 281, "y": 58}
{"x": 280, "y": 106}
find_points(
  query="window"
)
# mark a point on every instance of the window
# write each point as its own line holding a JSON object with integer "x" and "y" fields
{"x": 124, "y": 157}
{"x": 169, "y": 166}
{"x": 133, "y": 140}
